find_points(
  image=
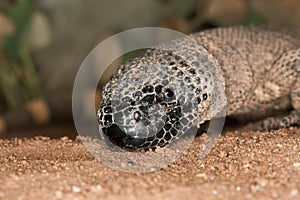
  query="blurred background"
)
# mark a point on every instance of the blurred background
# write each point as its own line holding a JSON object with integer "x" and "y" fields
{"x": 43, "y": 42}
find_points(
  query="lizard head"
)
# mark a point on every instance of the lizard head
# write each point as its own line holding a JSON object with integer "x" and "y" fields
{"x": 151, "y": 101}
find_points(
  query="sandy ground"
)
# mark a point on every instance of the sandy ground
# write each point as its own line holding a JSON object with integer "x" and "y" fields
{"x": 243, "y": 165}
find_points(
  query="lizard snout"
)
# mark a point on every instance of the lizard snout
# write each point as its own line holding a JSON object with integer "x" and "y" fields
{"x": 122, "y": 139}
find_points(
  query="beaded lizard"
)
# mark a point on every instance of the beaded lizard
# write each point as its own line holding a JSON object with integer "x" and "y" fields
{"x": 141, "y": 104}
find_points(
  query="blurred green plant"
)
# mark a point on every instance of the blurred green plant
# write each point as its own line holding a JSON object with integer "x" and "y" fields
{"x": 253, "y": 18}
{"x": 19, "y": 81}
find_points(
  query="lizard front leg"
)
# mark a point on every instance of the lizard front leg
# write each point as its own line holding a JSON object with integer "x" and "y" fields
{"x": 290, "y": 62}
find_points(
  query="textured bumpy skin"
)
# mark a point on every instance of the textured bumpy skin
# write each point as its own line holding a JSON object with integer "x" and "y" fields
{"x": 156, "y": 98}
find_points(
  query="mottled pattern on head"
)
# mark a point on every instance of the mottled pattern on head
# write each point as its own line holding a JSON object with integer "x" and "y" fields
{"x": 154, "y": 99}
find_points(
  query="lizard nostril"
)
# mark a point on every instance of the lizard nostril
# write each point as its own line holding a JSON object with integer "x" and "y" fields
{"x": 138, "y": 95}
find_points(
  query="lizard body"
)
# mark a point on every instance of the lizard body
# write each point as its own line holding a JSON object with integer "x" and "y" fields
{"x": 260, "y": 73}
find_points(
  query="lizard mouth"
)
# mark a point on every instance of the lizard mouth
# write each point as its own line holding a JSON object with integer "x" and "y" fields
{"x": 120, "y": 138}
{"x": 124, "y": 138}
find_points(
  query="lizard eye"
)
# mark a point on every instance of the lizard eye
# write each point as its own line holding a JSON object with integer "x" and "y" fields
{"x": 169, "y": 94}
{"x": 137, "y": 116}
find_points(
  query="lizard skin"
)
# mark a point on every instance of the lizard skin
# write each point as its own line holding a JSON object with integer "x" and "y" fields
{"x": 261, "y": 72}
